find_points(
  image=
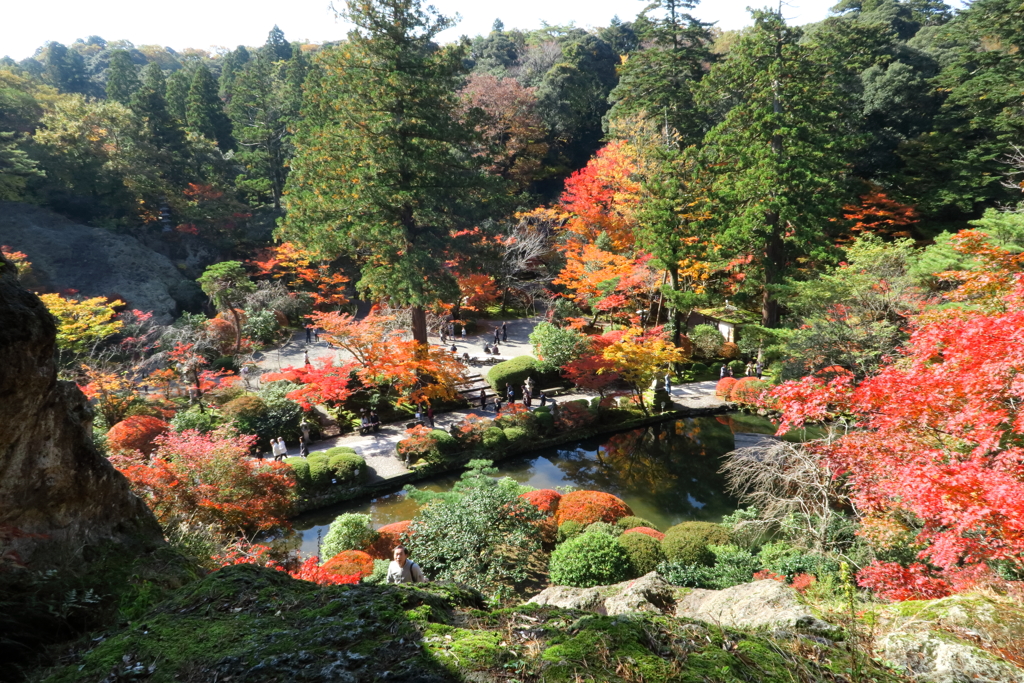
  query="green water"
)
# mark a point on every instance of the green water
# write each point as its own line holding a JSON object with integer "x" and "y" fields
{"x": 667, "y": 473}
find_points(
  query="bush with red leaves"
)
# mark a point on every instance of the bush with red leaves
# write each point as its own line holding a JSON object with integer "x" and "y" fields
{"x": 136, "y": 433}
{"x": 647, "y": 531}
{"x": 725, "y": 386}
{"x": 747, "y": 390}
{"x": 587, "y": 507}
{"x": 388, "y": 536}
{"x": 546, "y": 500}
{"x": 349, "y": 562}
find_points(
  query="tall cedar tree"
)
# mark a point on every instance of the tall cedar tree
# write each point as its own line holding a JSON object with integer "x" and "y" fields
{"x": 149, "y": 103}
{"x": 779, "y": 152}
{"x": 177, "y": 93}
{"x": 658, "y": 80}
{"x": 233, "y": 63}
{"x": 204, "y": 112}
{"x": 277, "y": 48}
{"x": 122, "y": 77}
{"x": 64, "y": 69}
{"x": 382, "y": 169}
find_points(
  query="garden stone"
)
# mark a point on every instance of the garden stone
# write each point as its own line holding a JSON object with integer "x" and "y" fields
{"x": 568, "y": 597}
{"x": 761, "y": 604}
{"x": 649, "y": 593}
{"x": 935, "y": 657}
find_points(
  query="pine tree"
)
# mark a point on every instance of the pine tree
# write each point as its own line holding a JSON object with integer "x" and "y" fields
{"x": 150, "y": 104}
{"x": 277, "y": 48}
{"x": 177, "y": 93}
{"x": 204, "y": 113}
{"x": 780, "y": 151}
{"x": 260, "y": 121}
{"x": 381, "y": 169}
{"x": 122, "y": 77}
{"x": 658, "y": 80}
{"x": 65, "y": 69}
{"x": 233, "y": 63}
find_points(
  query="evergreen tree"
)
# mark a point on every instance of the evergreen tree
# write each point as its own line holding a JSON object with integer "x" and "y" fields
{"x": 620, "y": 35}
{"x": 260, "y": 121}
{"x": 277, "y": 48}
{"x": 64, "y": 69}
{"x": 150, "y": 104}
{"x": 381, "y": 169}
{"x": 177, "y": 93}
{"x": 233, "y": 63}
{"x": 122, "y": 77}
{"x": 780, "y": 151}
{"x": 204, "y": 113}
{"x": 658, "y": 80}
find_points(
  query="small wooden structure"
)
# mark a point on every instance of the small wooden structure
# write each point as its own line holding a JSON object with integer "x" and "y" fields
{"x": 727, "y": 319}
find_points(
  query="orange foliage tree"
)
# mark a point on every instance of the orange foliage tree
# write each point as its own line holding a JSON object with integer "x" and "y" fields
{"x": 880, "y": 215}
{"x": 350, "y": 562}
{"x": 606, "y": 282}
{"x": 112, "y": 392}
{"x": 601, "y": 197}
{"x": 136, "y": 433}
{"x": 587, "y": 507}
{"x": 302, "y": 270}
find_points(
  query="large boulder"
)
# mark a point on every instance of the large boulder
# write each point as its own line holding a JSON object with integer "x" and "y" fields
{"x": 761, "y": 604}
{"x": 56, "y": 489}
{"x": 649, "y": 593}
{"x": 94, "y": 261}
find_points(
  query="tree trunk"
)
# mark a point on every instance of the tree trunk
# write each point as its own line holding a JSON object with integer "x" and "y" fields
{"x": 419, "y": 324}
{"x": 677, "y": 324}
{"x": 238, "y": 329}
{"x": 774, "y": 262}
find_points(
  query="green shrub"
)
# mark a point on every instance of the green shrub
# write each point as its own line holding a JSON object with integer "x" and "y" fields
{"x": 193, "y": 418}
{"x": 781, "y": 558}
{"x": 644, "y": 553}
{"x": 446, "y": 443}
{"x": 349, "y": 531}
{"x": 715, "y": 369}
{"x": 494, "y": 438}
{"x": 631, "y": 522}
{"x": 589, "y": 560}
{"x": 301, "y": 468}
{"x": 706, "y": 339}
{"x": 558, "y": 346}
{"x": 686, "y": 575}
{"x": 380, "y": 573}
{"x": 569, "y": 530}
{"x": 319, "y": 469}
{"x": 545, "y": 421}
{"x": 699, "y": 369}
{"x": 248, "y": 414}
{"x": 514, "y": 434}
{"x": 687, "y": 543}
{"x": 514, "y": 372}
{"x": 339, "y": 450}
{"x": 603, "y": 528}
{"x": 347, "y": 468}
{"x": 732, "y": 566}
{"x": 739, "y": 368}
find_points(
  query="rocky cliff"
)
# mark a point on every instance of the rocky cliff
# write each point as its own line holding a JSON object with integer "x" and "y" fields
{"x": 94, "y": 261}
{"x": 53, "y": 482}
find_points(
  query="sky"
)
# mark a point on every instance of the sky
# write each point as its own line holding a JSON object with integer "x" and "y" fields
{"x": 211, "y": 23}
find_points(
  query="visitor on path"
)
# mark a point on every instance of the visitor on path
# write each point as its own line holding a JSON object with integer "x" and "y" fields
{"x": 543, "y": 399}
{"x": 759, "y": 369}
{"x": 404, "y": 570}
{"x": 497, "y": 334}
{"x": 430, "y": 415}
{"x": 504, "y": 332}
{"x": 750, "y": 368}
{"x": 497, "y": 404}
{"x": 510, "y": 393}
{"x": 305, "y": 357}
{"x": 483, "y": 399}
{"x": 309, "y": 334}
{"x": 495, "y": 348}
{"x": 454, "y": 349}
{"x": 728, "y": 371}
{"x": 316, "y": 334}
{"x": 278, "y": 448}
{"x": 463, "y": 333}
{"x": 419, "y": 415}
{"x": 724, "y": 370}
{"x": 374, "y": 421}
{"x": 303, "y": 449}
{"x": 364, "y": 422}
{"x": 487, "y": 349}
{"x": 527, "y": 398}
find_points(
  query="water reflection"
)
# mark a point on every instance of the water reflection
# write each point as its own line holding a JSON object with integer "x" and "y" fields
{"x": 668, "y": 473}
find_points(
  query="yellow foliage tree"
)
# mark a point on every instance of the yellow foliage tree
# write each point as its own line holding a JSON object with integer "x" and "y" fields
{"x": 639, "y": 358}
{"x": 82, "y": 323}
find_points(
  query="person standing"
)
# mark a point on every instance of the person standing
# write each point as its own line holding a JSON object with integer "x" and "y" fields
{"x": 495, "y": 348}
{"x": 402, "y": 569}
{"x": 497, "y": 404}
{"x": 305, "y": 357}
{"x": 430, "y": 415}
{"x": 483, "y": 399}
{"x": 543, "y": 399}
{"x": 724, "y": 370}
{"x": 463, "y": 333}
{"x": 309, "y": 333}
{"x": 419, "y": 415}
{"x": 316, "y": 334}
{"x": 303, "y": 449}
{"x": 510, "y": 393}
{"x": 759, "y": 369}
{"x": 275, "y": 447}
{"x": 504, "y": 332}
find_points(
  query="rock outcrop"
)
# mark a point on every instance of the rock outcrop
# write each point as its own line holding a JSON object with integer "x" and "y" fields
{"x": 94, "y": 261}
{"x": 649, "y": 593}
{"x": 761, "y": 604}
{"x": 53, "y": 481}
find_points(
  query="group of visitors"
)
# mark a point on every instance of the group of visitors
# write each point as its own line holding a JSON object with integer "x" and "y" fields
{"x": 369, "y": 421}
{"x": 312, "y": 334}
{"x": 752, "y": 369}
{"x": 501, "y": 333}
{"x": 279, "y": 449}
{"x": 425, "y": 412}
{"x": 447, "y": 332}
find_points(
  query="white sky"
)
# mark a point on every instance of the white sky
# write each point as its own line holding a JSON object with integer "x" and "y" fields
{"x": 206, "y": 23}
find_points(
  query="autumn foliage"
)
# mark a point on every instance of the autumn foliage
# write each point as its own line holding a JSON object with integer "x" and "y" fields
{"x": 245, "y": 552}
{"x": 545, "y": 500}
{"x": 587, "y": 507}
{"x": 388, "y": 537}
{"x": 322, "y": 382}
{"x": 647, "y": 531}
{"x": 746, "y": 390}
{"x": 725, "y": 386}
{"x": 350, "y": 562}
{"x": 136, "y": 433}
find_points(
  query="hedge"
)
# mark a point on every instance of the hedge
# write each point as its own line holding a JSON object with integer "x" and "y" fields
{"x": 644, "y": 553}
{"x": 687, "y": 543}
{"x": 320, "y": 469}
{"x": 300, "y": 466}
{"x": 514, "y": 372}
{"x": 348, "y": 468}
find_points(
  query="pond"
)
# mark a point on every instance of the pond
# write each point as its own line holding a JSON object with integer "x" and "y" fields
{"x": 667, "y": 473}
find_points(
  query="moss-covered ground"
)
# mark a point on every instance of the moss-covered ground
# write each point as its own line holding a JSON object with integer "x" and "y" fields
{"x": 246, "y": 623}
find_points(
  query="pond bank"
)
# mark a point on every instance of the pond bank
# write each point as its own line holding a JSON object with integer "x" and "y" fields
{"x": 696, "y": 406}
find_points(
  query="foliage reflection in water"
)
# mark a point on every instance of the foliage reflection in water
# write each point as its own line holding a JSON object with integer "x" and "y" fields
{"x": 667, "y": 472}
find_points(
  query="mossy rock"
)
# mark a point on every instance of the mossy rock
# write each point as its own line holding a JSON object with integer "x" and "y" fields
{"x": 687, "y": 543}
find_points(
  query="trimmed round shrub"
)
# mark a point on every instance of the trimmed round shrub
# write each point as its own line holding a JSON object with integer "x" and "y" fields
{"x": 136, "y": 433}
{"x": 494, "y": 438}
{"x": 587, "y": 507}
{"x": 687, "y": 543}
{"x": 724, "y": 386}
{"x": 603, "y": 528}
{"x": 631, "y": 522}
{"x": 349, "y": 531}
{"x": 514, "y": 372}
{"x": 647, "y": 531}
{"x": 569, "y": 530}
{"x": 747, "y": 390}
{"x": 388, "y": 537}
{"x": 545, "y": 500}
{"x": 300, "y": 466}
{"x": 446, "y": 443}
{"x": 699, "y": 369}
{"x": 729, "y": 351}
{"x": 545, "y": 421}
{"x": 348, "y": 468}
{"x": 514, "y": 434}
{"x": 645, "y": 553}
{"x": 319, "y": 469}
{"x": 350, "y": 563}
{"x": 589, "y": 560}
{"x": 340, "y": 450}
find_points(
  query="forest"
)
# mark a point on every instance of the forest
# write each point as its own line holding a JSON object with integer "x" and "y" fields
{"x": 833, "y": 210}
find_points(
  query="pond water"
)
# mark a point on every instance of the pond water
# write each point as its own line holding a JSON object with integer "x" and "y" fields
{"x": 667, "y": 473}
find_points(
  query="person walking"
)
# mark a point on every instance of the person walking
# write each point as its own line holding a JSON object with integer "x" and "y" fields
{"x": 724, "y": 370}
{"x": 279, "y": 449}
{"x": 316, "y": 334}
{"x": 504, "y": 332}
{"x": 309, "y": 334}
{"x": 305, "y": 357}
{"x": 463, "y": 333}
{"x": 430, "y": 415}
{"x": 759, "y": 369}
{"x": 483, "y": 399}
{"x": 402, "y": 569}
{"x": 303, "y": 449}
{"x": 497, "y": 334}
